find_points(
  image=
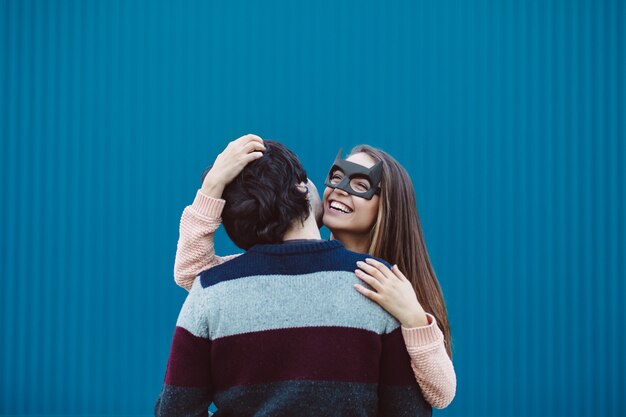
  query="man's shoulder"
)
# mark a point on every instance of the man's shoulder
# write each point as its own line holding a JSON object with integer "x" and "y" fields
{"x": 258, "y": 263}
{"x": 231, "y": 269}
{"x": 355, "y": 256}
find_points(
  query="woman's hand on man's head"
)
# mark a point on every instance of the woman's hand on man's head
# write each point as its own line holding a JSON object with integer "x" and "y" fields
{"x": 231, "y": 162}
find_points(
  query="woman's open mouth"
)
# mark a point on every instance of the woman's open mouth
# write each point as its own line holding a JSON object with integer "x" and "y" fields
{"x": 337, "y": 206}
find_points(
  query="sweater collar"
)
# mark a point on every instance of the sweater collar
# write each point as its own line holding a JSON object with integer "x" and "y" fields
{"x": 299, "y": 246}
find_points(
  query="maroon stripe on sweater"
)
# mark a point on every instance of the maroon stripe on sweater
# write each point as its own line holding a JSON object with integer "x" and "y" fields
{"x": 395, "y": 363}
{"x": 189, "y": 364}
{"x": 311, "y": 353}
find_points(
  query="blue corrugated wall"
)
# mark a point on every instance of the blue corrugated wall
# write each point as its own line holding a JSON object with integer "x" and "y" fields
{"x": 509, "y": 116}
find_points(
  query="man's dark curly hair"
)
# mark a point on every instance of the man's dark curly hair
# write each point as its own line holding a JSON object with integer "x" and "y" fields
{"x": 264, "y": 200}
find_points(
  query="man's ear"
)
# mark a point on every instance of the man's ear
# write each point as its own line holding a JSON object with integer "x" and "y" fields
{"x": 315, "y": 203}
{"x": 303, "y": 187}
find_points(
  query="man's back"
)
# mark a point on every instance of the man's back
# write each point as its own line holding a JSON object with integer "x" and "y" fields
{"x": 280, "y": 331}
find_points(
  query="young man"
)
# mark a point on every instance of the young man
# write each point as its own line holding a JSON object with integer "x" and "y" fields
{"x": 280, "y": 330}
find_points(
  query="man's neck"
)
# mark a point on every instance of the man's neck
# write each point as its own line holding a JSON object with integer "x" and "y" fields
{"x": 306, "y": 231}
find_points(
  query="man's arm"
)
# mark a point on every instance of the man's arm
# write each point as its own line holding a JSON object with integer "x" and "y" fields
{"x": 399, "y": 394}
{"x": 187, "y": 388}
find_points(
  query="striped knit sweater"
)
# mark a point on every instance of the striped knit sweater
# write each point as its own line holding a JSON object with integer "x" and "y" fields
{"x": 433, "y": 369}
{"x": 280, "y": 331}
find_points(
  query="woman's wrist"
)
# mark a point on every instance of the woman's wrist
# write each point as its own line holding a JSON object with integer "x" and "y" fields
{"x": 416, "y": 319}
{"x": 212, "y": 187}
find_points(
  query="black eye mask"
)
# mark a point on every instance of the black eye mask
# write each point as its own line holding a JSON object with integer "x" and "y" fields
{"x": 352, "y": 171}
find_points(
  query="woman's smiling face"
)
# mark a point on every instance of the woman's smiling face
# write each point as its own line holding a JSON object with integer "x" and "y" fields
{"x": 346, "y": 212}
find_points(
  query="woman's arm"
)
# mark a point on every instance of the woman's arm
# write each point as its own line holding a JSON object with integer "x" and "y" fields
{"x": 195, "y": 251}
{"x": 424, "y": 340}
{"x": 431, "y": 364}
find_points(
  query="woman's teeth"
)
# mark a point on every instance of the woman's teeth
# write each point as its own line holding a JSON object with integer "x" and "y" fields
{"x": 340, "y": 207}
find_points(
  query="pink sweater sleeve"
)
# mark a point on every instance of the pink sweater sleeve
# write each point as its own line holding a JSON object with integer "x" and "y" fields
{"x": 195, "y": 251}
{"x": 430, "y": 362}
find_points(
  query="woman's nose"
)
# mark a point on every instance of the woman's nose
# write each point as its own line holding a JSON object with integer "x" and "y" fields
{"x": 340, "y": 192}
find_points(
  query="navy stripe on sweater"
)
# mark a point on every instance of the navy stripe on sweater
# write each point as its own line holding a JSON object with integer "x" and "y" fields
{"x": 286, "y": 259}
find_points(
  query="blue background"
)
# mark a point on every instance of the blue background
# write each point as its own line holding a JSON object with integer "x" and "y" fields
{"x": 508, "y": 115}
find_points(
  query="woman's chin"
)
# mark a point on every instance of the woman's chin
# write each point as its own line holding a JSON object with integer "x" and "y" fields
{"x": 337, "y": 222}
{"x": 331, "y": 221}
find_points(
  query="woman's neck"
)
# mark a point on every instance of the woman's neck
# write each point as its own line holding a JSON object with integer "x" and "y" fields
{"x": 355, "y": 242}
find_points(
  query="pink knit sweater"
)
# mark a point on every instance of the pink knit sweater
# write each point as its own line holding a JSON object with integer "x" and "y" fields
{"x": 195, "y": 253}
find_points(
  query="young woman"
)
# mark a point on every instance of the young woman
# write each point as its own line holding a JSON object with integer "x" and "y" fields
{"x": 369, "y": 205}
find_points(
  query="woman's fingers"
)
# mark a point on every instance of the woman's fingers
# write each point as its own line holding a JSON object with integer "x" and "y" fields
{"x": 246, "y": 144}
{"x": 374, "y": 296}
{"x": 245, "y": 139}
{"x": 371, "y": 270}
{"x": 368, "y": 279}
{"x": 242, "y": 151}
{"x": 231, "y": 161}
{"x": 252, "y": 156}
{"x": 398, "y": 274}
{"x": 252, "y": 137}
{"x": 381, "y": 267}
{"x": 253, "y": 147}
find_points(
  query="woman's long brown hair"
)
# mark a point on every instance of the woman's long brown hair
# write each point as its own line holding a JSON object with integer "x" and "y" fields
{"x": 397, "y": 237}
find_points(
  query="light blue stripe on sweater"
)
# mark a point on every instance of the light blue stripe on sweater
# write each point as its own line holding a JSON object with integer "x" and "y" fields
{"x": 266, "y": 302}
{"x": 194, "y": 313}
